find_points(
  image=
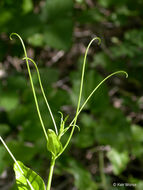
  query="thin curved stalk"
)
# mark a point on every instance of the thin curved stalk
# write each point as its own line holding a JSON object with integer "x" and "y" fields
{"x": 80, "y": 91}
{"x": 71, "y": 124}
{"x": 14, "y": 159}
{"x": 32, "y": 85}
{"x": 43, "y": 92}
{"x": 91, "y": 94}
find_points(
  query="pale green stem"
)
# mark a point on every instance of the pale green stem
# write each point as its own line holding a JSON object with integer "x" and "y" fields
{"x": 32, "y": 85}
{"x": 12, "y": 156}
{"x": 80, "y": 92}
{"x": 117, "y": 72}
{"x": 43, "y": 92}
{"x": 71, "y": 124}
{"x": 51, "y": 173}
{"x": 101, "y": 168}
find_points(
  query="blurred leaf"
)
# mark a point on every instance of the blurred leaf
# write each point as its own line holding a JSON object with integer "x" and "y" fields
{"x": 4, "y": 128}
{"x": 83, "y": 179}
{"x": 48, "y": 76}
{"x": 138, "y": 183}
{"x": 135, "y": 37}
{"x": 27, "y": 6}
{"x": 114, "y": 124}
{"x": 137, "y": 135}
{"x": 79, "y": 1}
{"x": 137, "y": 132}
{"x": 34, "y": 179}
{"x": 5, "y": 16}
{"x": 119, "y": 160}
{"x": 86, "y": 137}
{"x": 64, "y": 8}
{"x": 21, "y": 151}
{"x": 99, "y": 101}
{"x": 27, "y": 131}
{"x": 101, "y": 59}
{"x": 16, "y": 82}
{"x": 36, "y": 40}
{"x": 59, "y": 23}
{"x": 92, "y": 15}
{"x": 8, "y": 101}
{"x": 2, "y": 162}
{"x": 59, "y": 98}
{"x": 58, "y": 34}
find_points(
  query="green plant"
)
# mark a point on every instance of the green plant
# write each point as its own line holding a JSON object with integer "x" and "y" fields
{"x": 25, "y": 177}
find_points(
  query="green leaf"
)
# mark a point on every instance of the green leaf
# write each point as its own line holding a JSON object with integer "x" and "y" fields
{"x": 79, "y": 1}
{"x": 53, "y": 145}
{"x": 137, "y": 140}
{"x": 2, "y": 161}
{"x": 8, "y": 101}
{"x": 138, "y": 182}
{"x": 108, "y": 127}
{"x": 36, "y": 40}
{"x": 58, "y": 36}
{"x": 58, "y": 23}
{"x": 27, "y": 6}
{"x": 82, "y": 177}
{"x": 99, "y": 101}
{"x": 119, "y": 160}
{"x": 21, "y": 150}
{"x": 34, "y": 179}
{"x": 86, "y": 137}
{"x": 64, "y": 8}
{"x": 137, "y": 132}
{"x": 4, "y": 128}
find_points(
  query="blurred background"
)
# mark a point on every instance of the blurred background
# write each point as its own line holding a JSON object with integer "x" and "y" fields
{"x": 109, "y": 146}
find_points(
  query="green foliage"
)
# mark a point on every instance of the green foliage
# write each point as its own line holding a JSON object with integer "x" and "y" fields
{"x": 2, "y": 153}
{"x": 119, "y": 160}
{"x": 21, "y": 151}
{"x": 53, "y": 145}
{"x": 26, "y": 176}
{"x": 48, "y": 27}
{"x": 83, "y": 179}
{"x": 86, "y": 137}
{"x": 9, "y": 102}
{"x": 53, "y": 139}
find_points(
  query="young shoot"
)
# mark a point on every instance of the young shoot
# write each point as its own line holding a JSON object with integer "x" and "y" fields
{"x": 26, "y": 177}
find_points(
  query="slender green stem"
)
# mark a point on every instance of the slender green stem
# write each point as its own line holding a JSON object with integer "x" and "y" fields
{"x": 80, "y": 93}
{"x": 43, "y": 92}
{"x": 14, "y": 159}
{"x": 101, "y": 168}
{"x": 32, "y": 85}
{"x": 91, "y": 94}
{"x": 51, "y": 173}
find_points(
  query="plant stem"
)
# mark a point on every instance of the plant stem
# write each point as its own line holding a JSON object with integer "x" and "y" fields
{"x": 51, "y": 173}
{"x": 73, "y": 123}
{"x": 101, "y": 168}
{"x": 32, "y": 85}
{"x": 14, "y": 159}
{"x": 117, "y": 72}
{"x": 43, "y": 92}
{"x": 80, "y": 93}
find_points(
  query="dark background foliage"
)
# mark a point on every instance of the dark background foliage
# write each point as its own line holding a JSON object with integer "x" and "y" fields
{"x": 108, "y": 147}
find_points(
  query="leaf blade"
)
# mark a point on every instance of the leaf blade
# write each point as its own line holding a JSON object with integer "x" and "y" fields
{"x": 53, "y": 144}
{"x": 21, "y": 178}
